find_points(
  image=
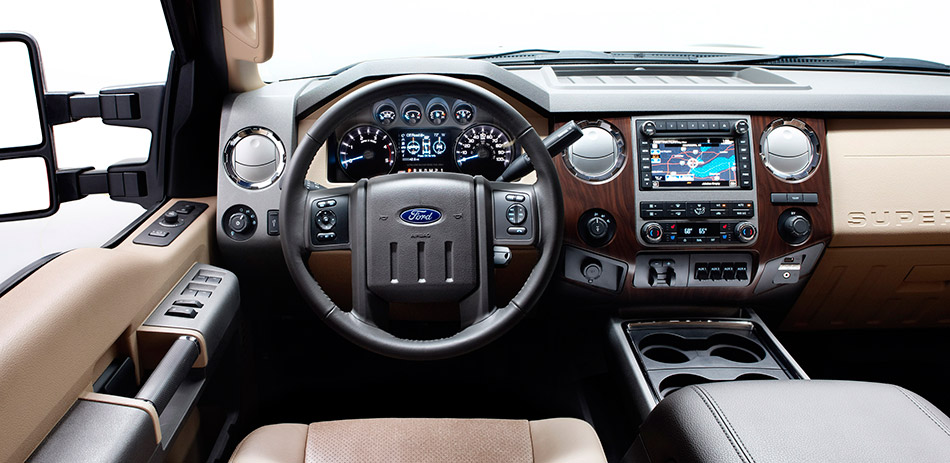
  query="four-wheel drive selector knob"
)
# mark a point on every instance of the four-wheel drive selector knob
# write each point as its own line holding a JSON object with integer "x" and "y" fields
{"x": 794, "y": 226}
{"x": 652, "y": 232}
{"x": 745, "y": 232}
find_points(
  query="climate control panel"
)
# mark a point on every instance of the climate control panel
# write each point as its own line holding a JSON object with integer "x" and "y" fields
{"x": 698, "y": 233}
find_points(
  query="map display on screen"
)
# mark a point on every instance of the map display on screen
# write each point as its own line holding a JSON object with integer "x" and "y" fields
{"x": 692, "y": 163}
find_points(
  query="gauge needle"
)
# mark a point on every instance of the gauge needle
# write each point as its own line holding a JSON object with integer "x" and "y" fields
{"x": 467, "y": 159}
{"x": 347, "y": 161}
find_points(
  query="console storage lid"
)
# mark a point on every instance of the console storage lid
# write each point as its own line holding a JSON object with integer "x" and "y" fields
{"x": 798, "y": 420}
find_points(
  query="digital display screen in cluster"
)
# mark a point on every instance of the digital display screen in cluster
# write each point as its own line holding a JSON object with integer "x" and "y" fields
{"x": 422, "y": 145}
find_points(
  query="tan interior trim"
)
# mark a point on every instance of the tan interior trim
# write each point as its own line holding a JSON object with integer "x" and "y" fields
{"x": 248, "y": 29}
{"x": 889, "y": 181}
{"x": 128, "y": 402}
{"x": 876, "y": 287}
{"x": 58, "y": 323}
{"x": 154, "y": 342}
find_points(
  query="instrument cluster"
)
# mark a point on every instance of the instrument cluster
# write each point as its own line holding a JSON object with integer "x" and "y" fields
{"x": 419, "y": 133}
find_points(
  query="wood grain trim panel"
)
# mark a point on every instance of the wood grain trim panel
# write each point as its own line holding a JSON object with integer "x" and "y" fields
{"x": 619, "y": 197}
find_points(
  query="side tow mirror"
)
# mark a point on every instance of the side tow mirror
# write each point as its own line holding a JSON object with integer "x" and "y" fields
{"x": 27, "y": 161}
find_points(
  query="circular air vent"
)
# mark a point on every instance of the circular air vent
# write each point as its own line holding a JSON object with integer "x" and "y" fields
{"x": 254, "y": 158}
{"x": 598, "y": 155}
{"x": 790, "y": 149}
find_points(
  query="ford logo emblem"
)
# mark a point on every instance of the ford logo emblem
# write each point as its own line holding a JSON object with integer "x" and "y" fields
{"x": 420, "y": 216}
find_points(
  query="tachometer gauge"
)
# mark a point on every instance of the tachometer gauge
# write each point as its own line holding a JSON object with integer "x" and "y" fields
{"x": 366, "y": 151}
{"x": 483, "y": 150}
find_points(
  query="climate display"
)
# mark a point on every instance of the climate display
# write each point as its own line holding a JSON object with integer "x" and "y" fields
{"x": 694, "y": 162}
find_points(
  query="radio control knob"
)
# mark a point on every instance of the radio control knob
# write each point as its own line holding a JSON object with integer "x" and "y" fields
{"x": 742, "y": 127}
{"x": 652, "y": 232}
{"x": 648, "y": 128}
{"x": 745, "y": 232}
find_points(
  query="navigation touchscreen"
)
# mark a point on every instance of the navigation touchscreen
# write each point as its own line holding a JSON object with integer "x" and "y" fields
{"x": 706, "y": 162}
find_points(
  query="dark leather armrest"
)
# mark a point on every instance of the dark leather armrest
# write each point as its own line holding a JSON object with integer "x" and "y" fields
{"x": 794, "y": 421}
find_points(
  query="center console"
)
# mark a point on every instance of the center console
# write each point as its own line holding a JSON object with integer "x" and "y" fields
{"x": 695, "y": 181}
{"x": 734, "y": 204}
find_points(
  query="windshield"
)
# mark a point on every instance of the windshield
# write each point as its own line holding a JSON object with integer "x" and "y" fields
{"x": 316, "y": 38}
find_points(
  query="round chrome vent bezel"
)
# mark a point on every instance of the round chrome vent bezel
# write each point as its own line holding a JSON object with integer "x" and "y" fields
{"x": 618, "y": 163}
{"x": 228, "y": 157}
{"x": 815, "y": 152}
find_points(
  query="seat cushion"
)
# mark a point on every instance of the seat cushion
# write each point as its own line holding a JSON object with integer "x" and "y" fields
{"x": 422, "y": 440}
{"x": 799, "y": 420}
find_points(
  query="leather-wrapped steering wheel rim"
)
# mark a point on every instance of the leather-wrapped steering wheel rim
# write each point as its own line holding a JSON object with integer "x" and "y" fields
{"x": 295, "y": 220}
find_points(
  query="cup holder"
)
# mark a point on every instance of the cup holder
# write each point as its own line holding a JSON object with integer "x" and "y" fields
{"x": 665, "y": 354}
{"x": 735, "y": 354}
{"x": 678, "y": 381}
{"x": 675, "y": 349}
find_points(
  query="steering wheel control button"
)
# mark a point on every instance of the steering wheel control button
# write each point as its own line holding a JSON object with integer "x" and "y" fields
{"x": 239, "y": 222}
{"x": 516, "y": 214}
{"x": 330, "y": 221}
{"x": 517, "y": 231}
{"x": 515, "y": 198}
{"x": 325, "y": 220}
{"x": 326, "y": 203}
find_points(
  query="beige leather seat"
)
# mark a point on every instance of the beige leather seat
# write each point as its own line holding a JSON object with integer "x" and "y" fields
{"x": 422, "y": 440}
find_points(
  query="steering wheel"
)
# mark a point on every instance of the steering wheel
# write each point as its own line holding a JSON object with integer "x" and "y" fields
{"x": 421, "y": 238}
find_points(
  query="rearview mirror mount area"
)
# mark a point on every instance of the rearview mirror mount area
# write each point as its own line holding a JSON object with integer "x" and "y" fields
{"x": 27, "y": 161}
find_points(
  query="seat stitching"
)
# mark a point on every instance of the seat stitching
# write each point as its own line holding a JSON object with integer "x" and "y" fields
{"x": 925, "y": 412}
{"x": 531, "y": 438}
{"x": 731, "y": 427}
{"x": 722, "y": 427}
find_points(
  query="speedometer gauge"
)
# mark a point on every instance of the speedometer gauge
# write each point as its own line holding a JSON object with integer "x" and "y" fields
{"x": 366, "y": 151}
{"x": 483, "y": 150}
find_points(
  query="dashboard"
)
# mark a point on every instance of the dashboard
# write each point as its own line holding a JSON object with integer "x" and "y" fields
{"x": 419, "y": 133}
{"x": 677, "y": 195}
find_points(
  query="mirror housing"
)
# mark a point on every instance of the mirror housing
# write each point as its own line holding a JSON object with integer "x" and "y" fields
{"x": 25, "y": 136}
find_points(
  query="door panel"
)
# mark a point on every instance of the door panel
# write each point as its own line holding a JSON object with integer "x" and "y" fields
{"x": 60, "y": 326}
